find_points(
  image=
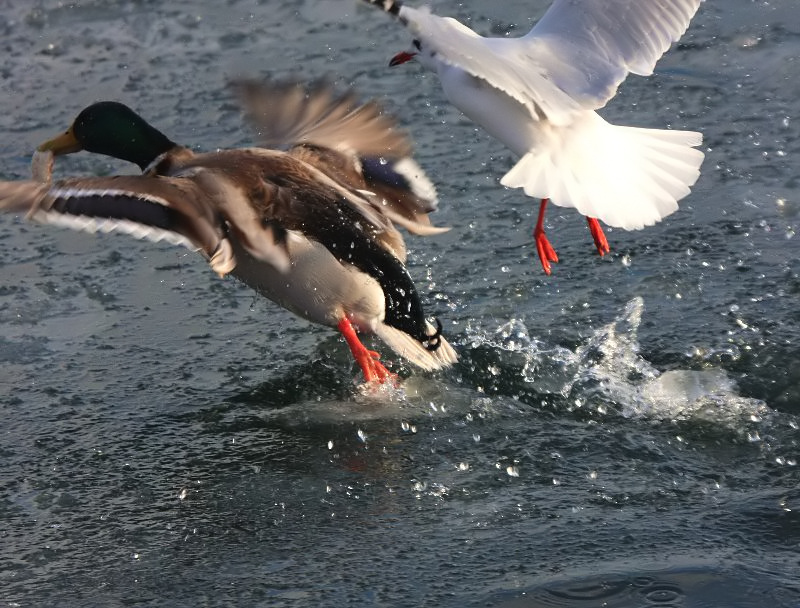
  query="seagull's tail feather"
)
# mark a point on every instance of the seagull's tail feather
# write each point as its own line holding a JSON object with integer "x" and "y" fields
{"x": 626, "y": 177}
{"x": 416, "y": 352}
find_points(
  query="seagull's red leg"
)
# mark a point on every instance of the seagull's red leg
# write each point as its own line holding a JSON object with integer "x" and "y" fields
{"x": 366, "y": 359}
{"x": 546, "y": 252}
{"x": 597, "y": 234}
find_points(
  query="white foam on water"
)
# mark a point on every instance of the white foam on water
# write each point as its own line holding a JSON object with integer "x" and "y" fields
{"x": 608, "y": 372}
{"x": 611, "y": 361}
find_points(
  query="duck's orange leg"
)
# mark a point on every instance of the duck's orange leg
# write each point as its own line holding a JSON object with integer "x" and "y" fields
{"x": 597, "y": 234}
{"x": 367, "y": 359}
{"x": 546, "y": 252}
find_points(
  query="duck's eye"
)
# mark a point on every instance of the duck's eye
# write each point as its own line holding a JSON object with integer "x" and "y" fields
{"x": 417, "y": 44}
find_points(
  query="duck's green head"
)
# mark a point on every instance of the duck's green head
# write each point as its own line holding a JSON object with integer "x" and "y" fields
{"x": 113, "y": 129}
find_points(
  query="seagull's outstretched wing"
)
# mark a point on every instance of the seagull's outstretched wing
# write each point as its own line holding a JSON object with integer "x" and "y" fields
{"x": 594, "y": 44}
{"x": 512, "y": 65}
{"x": 572, "y": 60}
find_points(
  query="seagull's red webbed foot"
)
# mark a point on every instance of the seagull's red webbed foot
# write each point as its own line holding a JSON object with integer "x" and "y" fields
{"x": 599, "y": 237}
{"x": 543, "y": 247}
{"x": 368, "y": 360}
{"x": 545, "y": 250}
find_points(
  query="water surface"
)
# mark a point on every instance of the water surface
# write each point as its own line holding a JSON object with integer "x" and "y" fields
{"x": 623, "y": 433}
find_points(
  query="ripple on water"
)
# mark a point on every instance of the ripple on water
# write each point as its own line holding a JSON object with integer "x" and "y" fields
{"x": 701, "y": 586}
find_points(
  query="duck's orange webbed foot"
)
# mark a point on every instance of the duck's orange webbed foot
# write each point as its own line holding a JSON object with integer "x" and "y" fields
{"x": 377, "y": 371}
{"x": 368, "y": 360}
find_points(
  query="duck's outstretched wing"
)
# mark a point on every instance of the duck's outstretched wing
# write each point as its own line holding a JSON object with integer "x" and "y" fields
{"x": 357, "y": 144}
{"x": 289, "y": 113}
{"x": 152, "y": 208}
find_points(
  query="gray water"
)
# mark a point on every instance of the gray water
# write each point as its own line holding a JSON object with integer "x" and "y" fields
{"x": 623, "y": 433}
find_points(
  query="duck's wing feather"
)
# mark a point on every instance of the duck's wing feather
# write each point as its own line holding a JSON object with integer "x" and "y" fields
{"x": 153, "y": 208}
{"x": 405, "y": 191}
{"x": 357, "y": 144}
{"x": 289, "y": 113}
{"x": 395, "y": 189}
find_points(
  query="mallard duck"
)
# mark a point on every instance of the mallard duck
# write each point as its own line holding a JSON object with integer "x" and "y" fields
{"x": 309, "y": 226}
{"x": 537, "y": 94}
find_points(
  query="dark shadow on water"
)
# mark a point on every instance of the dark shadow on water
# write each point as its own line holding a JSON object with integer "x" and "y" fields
{"x": 306, "y": 382}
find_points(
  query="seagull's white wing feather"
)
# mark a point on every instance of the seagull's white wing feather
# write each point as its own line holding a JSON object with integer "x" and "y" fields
{"x": 594, "y": 44}
{"x": 511, "y": 65}
{"x": 572, "y": 60}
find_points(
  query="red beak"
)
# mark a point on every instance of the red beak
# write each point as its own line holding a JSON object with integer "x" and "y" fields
{"x": 401, "y": 57}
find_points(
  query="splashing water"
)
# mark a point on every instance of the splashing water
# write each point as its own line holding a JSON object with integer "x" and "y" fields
{"x": 611, "y": 362}
{"x": 608, "y": 371}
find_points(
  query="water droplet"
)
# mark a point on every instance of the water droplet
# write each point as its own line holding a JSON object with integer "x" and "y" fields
{"x": 183, "y": 494}
{"x": 405, "y": 426}
{"x": 330, "y": 445}
{"x": 512, "y": 471}
{"x": 463, "y": 466}
{"x": 626, "y": 260}
{"x": 476, "y": 438}
{"x": 362, "y": 436}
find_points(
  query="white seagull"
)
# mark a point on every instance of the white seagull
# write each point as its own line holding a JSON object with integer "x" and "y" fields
{"x": 538, "y": 94}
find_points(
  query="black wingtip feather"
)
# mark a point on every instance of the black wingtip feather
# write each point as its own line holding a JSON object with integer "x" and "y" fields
{"x": 120, "y": 207}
